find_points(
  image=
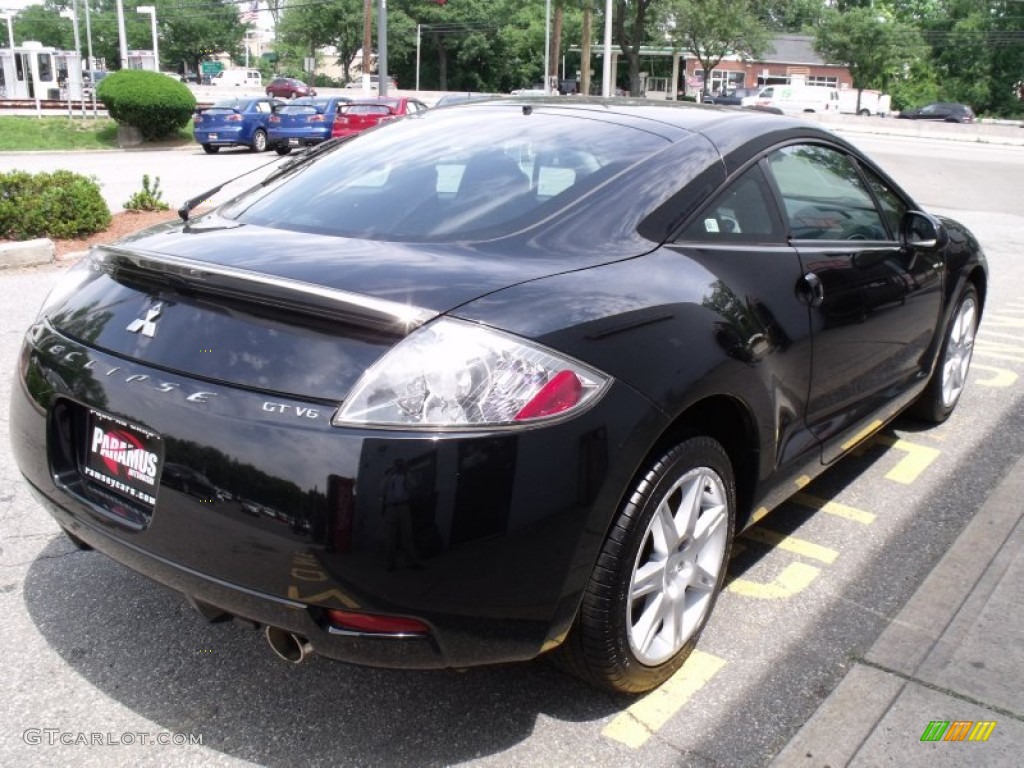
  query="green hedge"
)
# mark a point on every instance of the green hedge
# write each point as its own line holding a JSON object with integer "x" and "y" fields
{"x": 154, "y": 103}
{"x": 61, "y": 205}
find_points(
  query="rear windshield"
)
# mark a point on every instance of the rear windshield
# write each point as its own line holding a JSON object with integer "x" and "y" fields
{"x": 366, "y": 109}
{"x": 298, "y": 109}
{"x": 448, "y": 175}
{"x": 226, "y": 106}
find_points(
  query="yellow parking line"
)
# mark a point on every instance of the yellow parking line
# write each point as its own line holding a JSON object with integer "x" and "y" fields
{"x": 1015, "y": 358}
{"x": 863, "y": 435}
{"x": 1004, "y": 346}
{"x": 758, "y": 514}
{"x": 643, "y": 718}
{"x": 834, "y": 508}
{"x": 1001, "y": 377}
{"x": 986, "y": 333}
{"x": 792, "y": 544}
{"x": 1002, "y": 321}
{"x": 794, "y": 578}
{"x": 917, "y": 460}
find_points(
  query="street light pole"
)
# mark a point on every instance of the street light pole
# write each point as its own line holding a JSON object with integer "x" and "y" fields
{"x": 151, "y": 10}
{"x": 547, "y": 47}
{"x": 88, "y": 38}
{"x": 121, "y": 35}
{"x": 606, "y": 77}
{"x": 73, "y": 15}
{"x": 382, "y": 47}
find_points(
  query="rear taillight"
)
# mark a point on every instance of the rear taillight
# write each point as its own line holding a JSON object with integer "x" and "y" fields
{"x": 235, "y": 118}
{"x": 197, "y": 120}
{"x": 561, "y": 393}
{"x": 374, "y": 623}
{"x": 274, "y": 119}
{"x": 456, "y": 375}
{"x": 316, "y": 118}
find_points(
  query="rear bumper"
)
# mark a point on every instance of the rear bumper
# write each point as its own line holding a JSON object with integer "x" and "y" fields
{"x": 293, "y": 138}
{"x": 506, "y": 527}
{"x": 224, "y": 138}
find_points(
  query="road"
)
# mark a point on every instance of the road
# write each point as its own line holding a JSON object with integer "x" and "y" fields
{"x": 93, "y": 649}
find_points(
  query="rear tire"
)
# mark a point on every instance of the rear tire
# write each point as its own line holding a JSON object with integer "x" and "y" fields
{"x": 659, "y": 572}
{"x": 282, "y": 150}
{"x": 259, "y": 141}
{"x": 946, "y": 385}
{"x": 210, "y": 149}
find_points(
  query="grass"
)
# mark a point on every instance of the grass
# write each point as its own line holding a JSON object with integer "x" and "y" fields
{"x": 19, "y": 134}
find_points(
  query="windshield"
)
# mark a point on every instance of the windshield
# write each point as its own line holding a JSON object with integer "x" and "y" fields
{"x": 448, "y": 175}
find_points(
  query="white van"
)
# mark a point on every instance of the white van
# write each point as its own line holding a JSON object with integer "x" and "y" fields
{"x": 250, "y": 77}
{"x": 800, "y": 98}
{"x": 871, "y": 102}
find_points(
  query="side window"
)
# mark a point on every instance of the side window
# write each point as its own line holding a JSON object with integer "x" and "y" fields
{"x": 743, "y": 213}
{"x": 893, "y": 206}
{"x": 824, "y": 196}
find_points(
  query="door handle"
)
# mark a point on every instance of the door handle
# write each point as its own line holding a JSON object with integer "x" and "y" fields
{"x": 812, "y": 290}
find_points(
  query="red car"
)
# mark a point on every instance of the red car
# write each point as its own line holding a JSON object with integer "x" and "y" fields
{"x": 289, "y": 88}
{"x": 367, "y": 113}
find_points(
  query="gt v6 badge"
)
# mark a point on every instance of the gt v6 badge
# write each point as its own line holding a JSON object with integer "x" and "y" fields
{"x": 148, "y": 324}
{"x": 298, "y": 410}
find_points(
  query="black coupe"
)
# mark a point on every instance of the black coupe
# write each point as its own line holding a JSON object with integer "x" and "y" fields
{"x": 494, "y": 381}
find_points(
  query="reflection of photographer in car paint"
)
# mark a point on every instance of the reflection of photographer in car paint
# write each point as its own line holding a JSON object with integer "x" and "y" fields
{"x": 398, "y": 517}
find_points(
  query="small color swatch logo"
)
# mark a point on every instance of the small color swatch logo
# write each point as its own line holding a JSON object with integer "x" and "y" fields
{"x": 958, "y": 730}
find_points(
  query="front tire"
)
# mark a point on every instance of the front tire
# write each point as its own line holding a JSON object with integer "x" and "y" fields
{"x": 259, "y": 141}
{"x": 946, "y": 385}
{"x": 659, "y": 572}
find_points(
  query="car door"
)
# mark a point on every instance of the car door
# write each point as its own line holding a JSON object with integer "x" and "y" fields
{"x": 740, "y": 237}
{"x": 874, "y": 305}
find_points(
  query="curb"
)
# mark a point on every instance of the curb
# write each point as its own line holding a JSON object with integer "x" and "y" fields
{"x": 27, "y": 253}
{"x": 923, "y": 659}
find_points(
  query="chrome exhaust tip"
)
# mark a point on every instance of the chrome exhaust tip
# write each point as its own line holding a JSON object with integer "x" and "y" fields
{"x": 287, "y": 645}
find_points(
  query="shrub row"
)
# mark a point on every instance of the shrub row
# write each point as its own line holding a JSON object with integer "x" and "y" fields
{"x": 61, "y": 205}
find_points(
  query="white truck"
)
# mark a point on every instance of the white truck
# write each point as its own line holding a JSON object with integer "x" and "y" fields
{"x": 242, "y": 77}
{"x": 871, "y": 102}
{"x": 797, "y": 98}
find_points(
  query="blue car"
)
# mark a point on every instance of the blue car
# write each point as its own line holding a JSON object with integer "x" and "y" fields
{"x": 303, "y": 122}
{"x": 234, "y": 123}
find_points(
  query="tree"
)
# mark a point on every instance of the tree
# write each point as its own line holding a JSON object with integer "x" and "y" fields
{"x": 44, "y": 24}
{"x": 790, "y": 15}
{"x": 306, "y": 28}
{"x": 877, "y": 51}
{"x": 588, "y": 30}
{"x": 630, "y": 27}
{"x": 190, "y": 34}
{"x": 714, "y": 29}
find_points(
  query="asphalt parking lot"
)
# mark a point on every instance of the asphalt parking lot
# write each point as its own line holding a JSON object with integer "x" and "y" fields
{"x": 103, "y": 664}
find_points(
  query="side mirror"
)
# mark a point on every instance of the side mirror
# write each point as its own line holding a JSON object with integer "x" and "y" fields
{"x": 922, "y": 230}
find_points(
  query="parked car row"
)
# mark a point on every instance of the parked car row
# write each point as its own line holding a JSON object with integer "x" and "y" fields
{"x": 264, "y": 123}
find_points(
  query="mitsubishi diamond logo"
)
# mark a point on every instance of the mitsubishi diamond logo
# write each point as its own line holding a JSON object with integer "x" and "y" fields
{"x": 146, "y": 325}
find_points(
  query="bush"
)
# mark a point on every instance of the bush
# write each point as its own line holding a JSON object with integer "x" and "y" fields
{"x": 152, "y": 102}
{"x": 150, "y": 198}
{"x": 61, "y": 205}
